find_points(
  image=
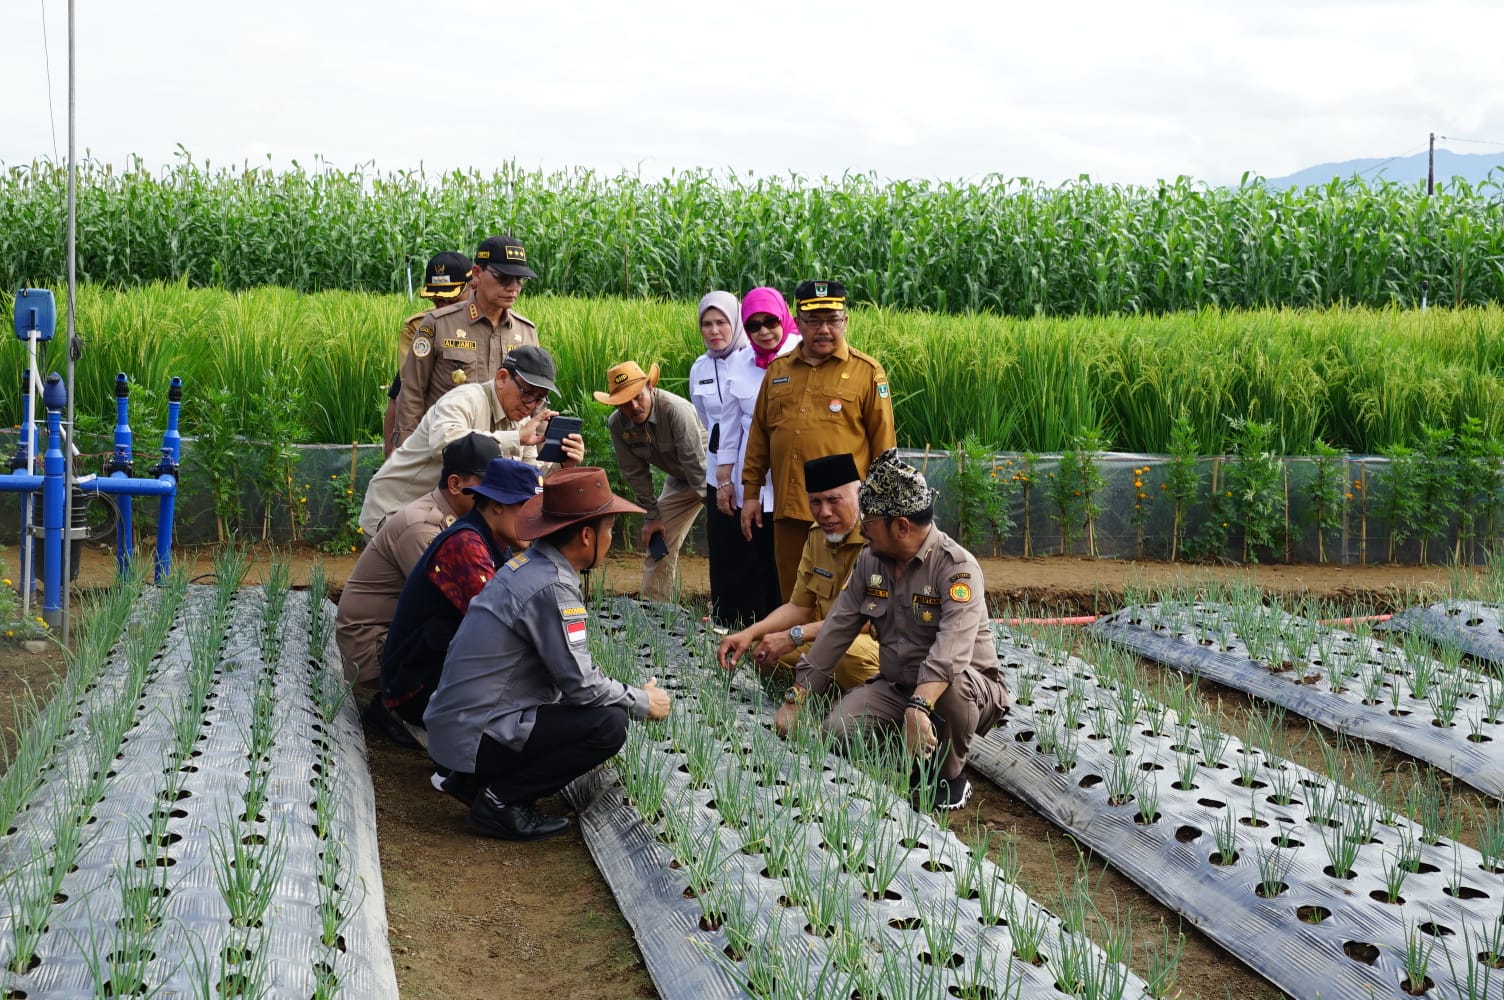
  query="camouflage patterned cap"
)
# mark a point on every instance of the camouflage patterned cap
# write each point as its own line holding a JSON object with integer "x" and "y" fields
{"x": 894, "y": 488}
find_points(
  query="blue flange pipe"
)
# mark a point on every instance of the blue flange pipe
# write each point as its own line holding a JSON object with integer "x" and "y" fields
{"x": 54, "y": 399}
{"x": 167, "y": 470}
{"x": 123, "y": 466}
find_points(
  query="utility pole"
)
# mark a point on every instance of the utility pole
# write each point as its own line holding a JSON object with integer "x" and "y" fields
{"x": 1431, "y": 168}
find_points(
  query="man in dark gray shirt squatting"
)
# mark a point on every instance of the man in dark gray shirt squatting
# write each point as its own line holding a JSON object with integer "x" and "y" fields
{"x": 521, "y": 711}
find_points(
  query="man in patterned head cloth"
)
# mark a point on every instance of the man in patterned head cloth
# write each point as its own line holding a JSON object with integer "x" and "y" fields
{"x": 921, "y": 593}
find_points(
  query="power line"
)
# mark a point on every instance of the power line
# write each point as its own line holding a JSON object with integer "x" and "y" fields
{"x": 1384, "y": 163}
{"x": 47, "y": 64}
{"x": 1480, "y": 142}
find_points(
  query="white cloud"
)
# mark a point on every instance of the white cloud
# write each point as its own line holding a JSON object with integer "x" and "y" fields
{"x": 943, "y": 90}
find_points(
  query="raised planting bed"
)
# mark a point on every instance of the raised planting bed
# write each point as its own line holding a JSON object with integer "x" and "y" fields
{"x": 747, "y": 865}
{"x": 1325, "y": 892}
{"x": 205, "y": 824}
{"x": 1476, "y": 628}
{"x": 1425, "y": 703}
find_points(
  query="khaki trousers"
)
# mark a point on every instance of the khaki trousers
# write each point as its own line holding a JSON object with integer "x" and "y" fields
{"x": 678, "y": 506}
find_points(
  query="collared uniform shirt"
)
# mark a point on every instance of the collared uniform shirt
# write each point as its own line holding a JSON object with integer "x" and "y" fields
{"x": 708, "y": 391}
{"x": 671, "y": 439}
{"x": 454, "y": 345}
{"x": 743, "y": 382}
{"x": 524, "y": 643}
{"x": 806, "y": 411}
{"x": 370, "y": 594}
{"x": 929, "y": 626}
{"x": 413, "y": 468}
{"x": 824, "y": 569}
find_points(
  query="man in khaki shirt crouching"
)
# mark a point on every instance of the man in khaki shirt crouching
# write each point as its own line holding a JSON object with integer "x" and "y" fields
{"x": 830, "y": 549}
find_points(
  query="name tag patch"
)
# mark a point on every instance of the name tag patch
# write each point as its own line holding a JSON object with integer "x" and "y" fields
{"x": 823, "y": 572}
{"x": 572, "y": 612}
{"x": 780, "y": 381}
{"x": 876, "y": 592}
{"x": 705, "y": 381}
{"x": 932, "y": 601}
{"x": 459, "y": 345}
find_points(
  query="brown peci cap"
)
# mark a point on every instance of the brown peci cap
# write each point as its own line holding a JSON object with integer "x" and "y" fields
{"x": 570, "y": 496}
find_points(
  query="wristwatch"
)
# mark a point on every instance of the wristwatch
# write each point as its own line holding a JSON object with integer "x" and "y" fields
{"x": 795, "y": 695}
{"x": 797, "y": 635}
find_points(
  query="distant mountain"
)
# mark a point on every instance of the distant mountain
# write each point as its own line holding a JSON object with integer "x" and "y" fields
{"x": 1473, "y": 167}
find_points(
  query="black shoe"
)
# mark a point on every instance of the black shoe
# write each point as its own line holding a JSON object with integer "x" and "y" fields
{"x": 379, "y": 720}
{"x": 490, "y": 818}
{"x": 953, "y": 793}
{"x": 454, "y": 785}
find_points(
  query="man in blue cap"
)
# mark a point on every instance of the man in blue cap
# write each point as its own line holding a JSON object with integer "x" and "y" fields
{"x": 457, "y": 564}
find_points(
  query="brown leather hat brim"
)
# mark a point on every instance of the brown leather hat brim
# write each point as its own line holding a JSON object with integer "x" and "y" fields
{"x": 533, "y": 523}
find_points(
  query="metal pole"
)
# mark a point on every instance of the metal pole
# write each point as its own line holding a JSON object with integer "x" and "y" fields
{"x": 1431, "y": 167}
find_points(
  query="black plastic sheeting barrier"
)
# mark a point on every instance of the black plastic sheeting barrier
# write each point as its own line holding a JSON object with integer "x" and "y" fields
{"x": 1169, "y": 636}
{"x": 1353, "y": 953}
{"x": 1474, "y": 627}
{"x": 655, "y": 897}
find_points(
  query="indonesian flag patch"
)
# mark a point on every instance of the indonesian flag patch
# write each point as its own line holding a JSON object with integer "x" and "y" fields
{"x": 575, "y": 631}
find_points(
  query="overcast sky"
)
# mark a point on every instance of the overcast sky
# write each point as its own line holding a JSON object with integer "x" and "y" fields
{"x": 1125, "y": 92}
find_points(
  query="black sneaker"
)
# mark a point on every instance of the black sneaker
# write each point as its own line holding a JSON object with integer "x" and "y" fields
{"x": 490, "y": 818}
{"x": 377, "y": 719}
{"x": 952, "y": 793}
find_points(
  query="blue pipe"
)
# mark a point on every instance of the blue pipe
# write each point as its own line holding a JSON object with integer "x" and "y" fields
{"x": 167, "y": 469}
{"x": 54, "y": 399}
{"x": 123, "y": 486}
{"x": 26, "y": 450}
{"x": 123, "y": 466}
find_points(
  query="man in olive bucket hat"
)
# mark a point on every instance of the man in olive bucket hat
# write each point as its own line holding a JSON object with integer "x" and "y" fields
{"x": 922, "y": 595}
{"x": 521, "y": 710}
{"x": 445, "y": 281}
{"x": 653, "y": 428}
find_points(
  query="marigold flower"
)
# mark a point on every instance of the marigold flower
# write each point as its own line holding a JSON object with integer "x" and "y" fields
{"x": 1347, "y": 496}
{"x": 1138, "y": 483}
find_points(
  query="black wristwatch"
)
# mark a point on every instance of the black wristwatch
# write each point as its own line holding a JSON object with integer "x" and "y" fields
{"x": 797, "y": 635}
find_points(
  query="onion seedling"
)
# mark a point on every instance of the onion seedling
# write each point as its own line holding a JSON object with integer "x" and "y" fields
{"x": 1274, "y": 864}
{"x": 1027, "y": 925}
{"x": 1416, "y": 960}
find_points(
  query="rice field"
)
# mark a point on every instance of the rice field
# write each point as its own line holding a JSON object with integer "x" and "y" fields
{"x": 1358, "y": 379}
{"x": 1001, "y": 245}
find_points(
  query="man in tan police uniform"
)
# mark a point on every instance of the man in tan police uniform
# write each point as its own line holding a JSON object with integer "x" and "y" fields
{"x": 446, "y": 279}
{"x": 830, "y": 549}
{"x": 824, "y": 398}
{"x": 466, "y": 342}
{"x": 922, "y": 595}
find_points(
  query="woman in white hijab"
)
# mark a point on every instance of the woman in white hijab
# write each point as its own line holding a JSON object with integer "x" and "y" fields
{"x": 721, "y": 329}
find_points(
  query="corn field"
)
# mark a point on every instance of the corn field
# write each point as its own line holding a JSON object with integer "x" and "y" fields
{"x": 1358, "y": 379}
{"x": 1001, "y": 245}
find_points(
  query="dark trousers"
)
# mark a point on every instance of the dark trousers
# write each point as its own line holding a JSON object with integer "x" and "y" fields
{"x": 743, "y": 575}
{"x": 566, "y": 741}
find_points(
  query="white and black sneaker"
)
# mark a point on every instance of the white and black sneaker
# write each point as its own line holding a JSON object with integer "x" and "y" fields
{"x": 952, "y": 793}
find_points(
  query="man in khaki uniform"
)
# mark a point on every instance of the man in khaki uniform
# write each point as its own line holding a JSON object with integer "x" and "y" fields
{"x": 512, "y": 408}
{"x": 830, "y": 549}
{"x": 370, "y": 595}
{"x": 922, "y": 595}
{"x": 466, "y": 342}
{"x": 824, "y": 398}
{"x": 653, "y": 428}
{"x": 446, "y": 279}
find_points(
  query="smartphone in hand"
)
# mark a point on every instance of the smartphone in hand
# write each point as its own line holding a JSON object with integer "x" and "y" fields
{"x": 657, "y": 546}
{"x": 559, "y": 428}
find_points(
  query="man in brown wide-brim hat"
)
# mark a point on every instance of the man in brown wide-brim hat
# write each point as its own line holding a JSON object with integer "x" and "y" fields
{"x": 653, "y": 428}
{"x": 521, "y": 711}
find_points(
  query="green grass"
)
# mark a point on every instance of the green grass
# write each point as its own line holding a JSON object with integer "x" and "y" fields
{"x": 1360, "y": 379}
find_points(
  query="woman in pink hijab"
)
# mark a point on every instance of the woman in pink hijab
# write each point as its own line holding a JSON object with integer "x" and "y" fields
{"x": 770, "y": 332}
